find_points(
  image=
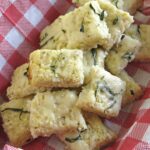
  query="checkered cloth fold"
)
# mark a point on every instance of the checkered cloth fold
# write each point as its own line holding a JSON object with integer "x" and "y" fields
{"x": 20, "y": 24}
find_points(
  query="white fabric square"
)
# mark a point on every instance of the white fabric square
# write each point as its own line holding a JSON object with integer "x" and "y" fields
{"x": 2, "y": 61}
{"x": 146, "y": 137}
{"x": 52, "y": 1}
{"x": 14, "y": 37}
{"x": 33, "y": 15}
{"x": 0, "y": 14}
{"x": 141, "y": 17}
{"x": 71, "y": 8}
{"x": 12, "y": 1}
{"x": 56, "y": 143}
{"x": 113, "y": 126}
{"x": 142, "y": 77}
{"x": 146, "y": 104}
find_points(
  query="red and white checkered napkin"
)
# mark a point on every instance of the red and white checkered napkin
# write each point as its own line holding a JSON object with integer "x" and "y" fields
{"x": 20, "y": 24}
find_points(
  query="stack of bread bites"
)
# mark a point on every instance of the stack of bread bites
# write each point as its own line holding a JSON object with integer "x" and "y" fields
{"x": 77, "y": 77}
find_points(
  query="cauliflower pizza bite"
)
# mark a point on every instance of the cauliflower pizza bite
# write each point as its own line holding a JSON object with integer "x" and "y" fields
{"x": 83, "y": 28}
{"x": 130, "y": 6}
{"x": 56, "y": 68}
{"x": 103, "y": 94}
{"x": 121, "y": 54}
{"x": 15, "y": 115}
{"x": 20, "y": 86}
{"x": 144, "y": 53}
{"x": 93, "y": 57}
{"x": 117, "y": 21}
{"x": 142, "y": 33}
{"x": 95, "y": 136}
{"x": 55, "y": 112}
{"x": 133, "y": 90}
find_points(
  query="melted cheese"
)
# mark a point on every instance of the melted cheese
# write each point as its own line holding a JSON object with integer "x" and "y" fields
{"x": 15, "y": 123}
{"x": 123, "y": 53}
{"x": 94, "y": 57}
{"x": 142, "y": 33}
{"x": 81, "y": 28}
{"x": 103, "y": 94}
{"x": 20, "y": 86}
{"x": 133, "y": 90}
{"x": 117, "y": 21}
{"x": 56, "y": 68}
{"x": 96, "y": 135}
{"x": 55, "y": 112}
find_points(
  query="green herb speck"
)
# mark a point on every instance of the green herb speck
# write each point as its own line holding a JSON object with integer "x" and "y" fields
{"x": 72, "y": 140}
{"x": 53, "y": 68}
{"x": 94, "y": 54}
{"x": 123, "y": 36}
{"x": 128, "y": 56}
{"x": 92, "y": 8}
{"x": 16, "y": 110}
{"x": 102, "y": 15}
{"x": 138, "y": 29}
{"x": 115, "y": 21}
{"x": 64, "y": 31}
{"x": 82, "y": 27}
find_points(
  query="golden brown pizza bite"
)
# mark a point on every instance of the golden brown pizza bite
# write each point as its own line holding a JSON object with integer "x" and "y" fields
{"x": 122, "y": 53}
{"x": 83, "y": 28}
{"x": 54, "y": 112}
{"x": 103, "y": 94}
{"x": 56, "y": 68}
{"x": 133, "y": 90}
{"x": 93, "y": 57}
{"x": 117, "y": 20}
{"x": 15, "y": 115}
{"x": 20, "y": 85}
{"x": 142, "y": 33}
{"x": 95, "y": 136}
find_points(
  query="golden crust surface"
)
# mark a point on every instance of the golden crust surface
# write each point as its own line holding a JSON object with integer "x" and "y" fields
{"x": 96, "y": 136}
{"x": 54, "y": 112}
{"x": 15, "y": 115}
{"x": 56, "y": 68}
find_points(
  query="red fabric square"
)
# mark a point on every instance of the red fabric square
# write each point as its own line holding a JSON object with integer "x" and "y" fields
{"x": 40, "y": 143}
{"x": 43, "y": 23}
{"x": 144, "y": 118}
{"x": 145, "y": 66}
{"x": 25, "y": 49}
{"x": 70, "y": 1}
{"x": 52, "y": 14}
{"x": 16, "y": 59}
{"x": 60, "y": 9}
{"x": 7, "y": 71}
{"x": 128, "y": 144}
{"x": 132, "y": 68}
{"x": 6, "y": 49}
{"x": 33, "y": 1}
{"x": 146, "y": 93}
{"x": 3, "y": 83}
{"x": 1, "y": 38}
{"x": 129, "y": 120}
{"x": 13, "y": 14}
{"x": 33, "y": 37}
{"x": 43, "y": 8}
